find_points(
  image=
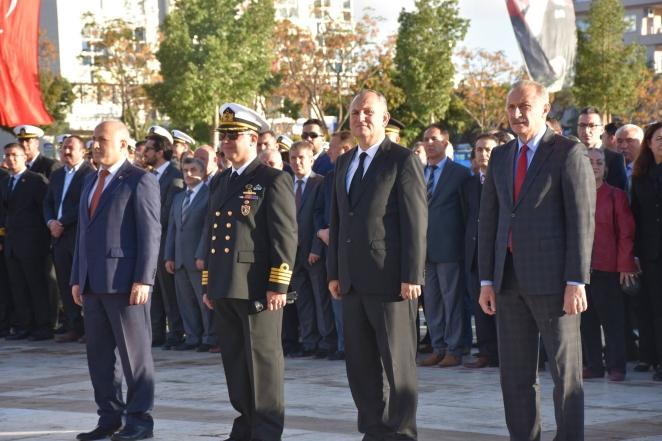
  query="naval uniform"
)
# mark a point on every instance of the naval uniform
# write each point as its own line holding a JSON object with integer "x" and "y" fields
{"x": 252, "y": 237}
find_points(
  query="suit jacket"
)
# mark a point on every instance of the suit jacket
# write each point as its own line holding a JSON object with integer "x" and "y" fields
{"x": 552, "y": 222}
{"x": 307, "y": 231}
{"x": 379, "y": 241}
{"x": 44, "y": 166}
{"x": 70, "y": 204}
{"x": 184, "y": 235}
{"x": 26, "y": 235}
{"x": 646, "y": 203}
{"x": 616, "y": 175}
{"x": 119, "y": 245}
{"x": 445, "y": 224}
{"x": 252, "y": 237}
{"x": 171, "y": 183}
{"x": 322, "y": 164}
{"x": 470, "y": 195}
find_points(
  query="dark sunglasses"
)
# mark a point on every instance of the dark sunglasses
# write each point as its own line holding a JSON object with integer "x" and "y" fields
{"x": 231, "y": 136}
{"x": 311, "y": 135}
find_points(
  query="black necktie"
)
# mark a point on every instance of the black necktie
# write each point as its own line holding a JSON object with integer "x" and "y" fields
{"x": 356, "y": 179}
{"x": 298, "y": 194}
{"x": 233, "y": 176}
{"x": 11, "y": 183}
{"x": 430, "y": 184}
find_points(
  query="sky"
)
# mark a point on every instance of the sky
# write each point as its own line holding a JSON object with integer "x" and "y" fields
{"x": 489, "y": 29}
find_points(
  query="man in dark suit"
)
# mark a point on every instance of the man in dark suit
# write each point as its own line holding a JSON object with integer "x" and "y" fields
{"x": 26, "y": 247}
{"x": 111, "y": 278}
{"x": 444, "y": 288}
{"x": 313, "y": 131}
{"x": 61, "y": 217}
{"x": 471, "y": 191}
{"x": 590, "y": 130}
{"x": 28, "y": 137}
{"x": 534, "y": 250}
{"x": 187, "y": 219}
{"x": 316, "y": 323}
{"x": 158, "y": 155}
{"x": 251, "y": 247}
{"x": 5, "y": 289}
{"x": 375, "y": 262}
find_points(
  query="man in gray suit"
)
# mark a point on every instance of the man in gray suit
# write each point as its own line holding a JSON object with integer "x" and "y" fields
{"x": 187, "y": 218}
{"x": 444, "y": 288}
{"x": 375, "y": 263}
{"x": 534, "y": 250}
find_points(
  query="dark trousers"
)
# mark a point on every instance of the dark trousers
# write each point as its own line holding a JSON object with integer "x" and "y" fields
{"x": 198, "y": 320}
{"x": 650, "y": 312}
{"x": 63, "y": 257}
{"x": 380, "y": 343}
{"x": 254, "y": 369}
{"x": 112, "y": 324}
{"x": 30, "y": 294}
{"x": 316, "y": 322}
{"x": 5, "y": 297}
{"x": 164, "y": 305}
{"x": 486, "y": 333}
{"x": 605, "y": 308}
{"x": 521, "y": 320}
{"x": 291, "y": 329}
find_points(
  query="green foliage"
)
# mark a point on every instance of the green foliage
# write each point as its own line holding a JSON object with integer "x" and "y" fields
{"x": 608, "y": 72}
{"x": 425, "y": 44}
{"x": 57, "y": 94}
{"x": 213, "y": 51}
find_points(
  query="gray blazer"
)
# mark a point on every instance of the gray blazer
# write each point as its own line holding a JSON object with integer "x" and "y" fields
{"x": 183, "y": 236}
{"x": 445, "y": 238}
{"x": 552, "y": 221}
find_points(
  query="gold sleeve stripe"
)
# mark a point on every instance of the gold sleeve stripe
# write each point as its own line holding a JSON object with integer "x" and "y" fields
{"x": 283, "y": 281}
{"x": 2, "y": 231}
{"x": 205, "y": 277}
{"x": 281, "y": 274}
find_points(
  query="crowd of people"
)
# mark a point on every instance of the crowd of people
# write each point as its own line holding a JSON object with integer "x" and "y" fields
{"x": 457, "y": 218}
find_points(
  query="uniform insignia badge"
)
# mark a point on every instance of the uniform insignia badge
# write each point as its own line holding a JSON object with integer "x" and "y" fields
{"x": 228, "y": 116}
{"x": 258, "y": 187}
{"x": 245, "y": 209}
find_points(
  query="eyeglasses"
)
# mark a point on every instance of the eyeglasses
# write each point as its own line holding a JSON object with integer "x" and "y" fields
{"x": 311, "y": 135}
{"x": 231, "y": 136}
{"x": 588, "y": 126}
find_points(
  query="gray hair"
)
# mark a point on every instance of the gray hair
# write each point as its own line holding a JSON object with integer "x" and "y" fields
{"x": 195, "y": 161}
{"x": 541, "y": 90}
{"x": 638, "y": 130}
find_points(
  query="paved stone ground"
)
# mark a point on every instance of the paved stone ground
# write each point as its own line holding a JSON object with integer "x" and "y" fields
{"x": 45, "y": 394}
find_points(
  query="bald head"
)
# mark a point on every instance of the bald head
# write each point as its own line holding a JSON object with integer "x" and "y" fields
{"x": 111, "y": 139}
{"x": 207, "y": 155}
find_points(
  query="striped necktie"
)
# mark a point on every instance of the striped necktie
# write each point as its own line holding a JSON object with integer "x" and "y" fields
{"x": 430, "y": 185}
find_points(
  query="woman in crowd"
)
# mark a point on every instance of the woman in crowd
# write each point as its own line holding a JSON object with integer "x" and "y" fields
{"x": 646, "y": 200}
{"x": 612, "y": 263}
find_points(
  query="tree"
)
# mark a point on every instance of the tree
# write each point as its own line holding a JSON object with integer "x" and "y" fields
{"x": 212, "y": 51}
{"x": 485, "y": 80}
{"x": 122, "y": 66}
{"x": 649, "y": 101}
{"x": 321, "y": 72}
{"x": 56, "y": 92}
{"x": 608, "y": 72}
{"x": 425, "y": 43}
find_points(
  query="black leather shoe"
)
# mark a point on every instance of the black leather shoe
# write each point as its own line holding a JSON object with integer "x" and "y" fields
{"x": 20, "y": 335}
{"x": 40, "y": 336}
{"x": 99, "y": 432}
{"x": 185, "y": 347}
{"x": 204, "y": 347}
{"x": 132, "y": 433}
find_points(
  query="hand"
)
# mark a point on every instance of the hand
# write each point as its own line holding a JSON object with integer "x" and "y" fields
{"x": 409, "y": 291}
{"x": 75, "y": 293}
{"x": 313, "y": 259}
{"x": 625, "y": 277}
{"x": 487, "y": 299}
{"x": 324, "y": 236}
{"x": 209, "y": 303}
{"x": 334, "y": 289}
{"x": 574, "y": 299}
{"x": 56, "y": 228}
{"x": 276, "y": 300}
{"x": 200, "y": 264}
{"x": 170, "y": 266}
{"x": 139, "y": 294}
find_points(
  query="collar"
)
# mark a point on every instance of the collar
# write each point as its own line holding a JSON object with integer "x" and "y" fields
{"x": 439, "y": 164}
{"x": 161, "y": 169}
{"x": 73, "y": 169}
{"x": 241, "y": 169}
{"x": 535, "y": 142}
{"x": 113, "y": 168}
{"x": 17, "y": 176}
{"x": 372, "y": 150}
{"x": 196, "y": 189}
{"x": 304, "y": 179}
{"x": 29, "y": 163}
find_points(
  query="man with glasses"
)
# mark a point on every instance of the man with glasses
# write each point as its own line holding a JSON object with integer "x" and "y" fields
{"x": 28, "y": 136}
{"x": 251, "y": 246}
{"x": 312, "y": 131}
{"x": 590, "y": 130}
{"x": 26, "y": 247}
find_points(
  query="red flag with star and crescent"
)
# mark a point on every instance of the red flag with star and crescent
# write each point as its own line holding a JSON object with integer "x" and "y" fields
{"x": 20, "y": 94}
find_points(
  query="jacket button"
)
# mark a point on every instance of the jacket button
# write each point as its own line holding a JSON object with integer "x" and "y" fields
{"x": 229, "y": 213}
{"x": 512, "y": 214}
{"x": 213, "y": 251}
{"x": 226, "y": 251}
{"x": 218, "y": 213}
{"x": 227, "y": 237}
{"x": 213, "y": 238}
{"x": 215, "y": 226}
{"x": 351, "y": 213}
{"x": 228, "y": 225}
{"x": 349, "y": 241}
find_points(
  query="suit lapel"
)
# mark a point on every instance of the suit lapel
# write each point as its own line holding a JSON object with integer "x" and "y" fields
{"x": 308, "y": 189}
{"x": 342, "y": 173}
{"x": 373, "y": 169}
{"x": 235, "y": 187}
{"x": 510, "y": 166}
{"x": 123, "y": 171}
{"x": 197, "y": 199}
{"x": 445, "y": 176}
{"x": 543, "y": 151}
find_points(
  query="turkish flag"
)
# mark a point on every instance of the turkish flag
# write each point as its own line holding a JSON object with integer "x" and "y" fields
{"x": 20, "y": 95}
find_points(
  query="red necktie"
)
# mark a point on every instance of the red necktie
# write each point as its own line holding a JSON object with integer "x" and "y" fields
{"x": 520, "y": 174}
{"x": 98, "y": 190}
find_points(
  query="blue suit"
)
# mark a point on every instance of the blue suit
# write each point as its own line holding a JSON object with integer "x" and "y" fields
{"x": 116, "y": 247}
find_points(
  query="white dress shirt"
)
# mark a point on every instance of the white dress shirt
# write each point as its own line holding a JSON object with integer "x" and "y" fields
{"x": 113, "y": 171}
{"x": 371, "y": 151}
